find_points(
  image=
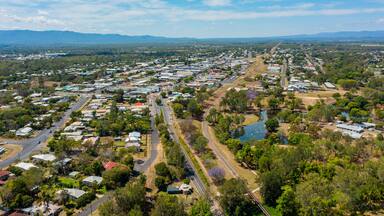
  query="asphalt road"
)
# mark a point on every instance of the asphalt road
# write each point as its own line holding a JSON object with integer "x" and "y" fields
{"x": 155, "y": 140}
{"x": 32, "y": 144}
{"x": 195, "y": 178}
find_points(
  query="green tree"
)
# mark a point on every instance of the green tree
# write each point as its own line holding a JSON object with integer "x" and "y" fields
{"x": 168, "y": 205}
{"x": 116, "y": 177}
{"x": 213, "y": 116}
{"x": 235, "y": 101}
{"x": 315, "y": 195}
{"x": 286, "y": 203}
{"x": 201, "y": 208}
{"x": 271, "y": 183}
{"x": 233, "y": 199}
{"x": 272, "y": 124}
{"x": 161, "y": 183}
{"x": 131, "y": 196}
{"x": 119, "y": 96}
{"x": 162, "y": 169}
{"x": 195, "y": 108}
{"x": 178, "y": 109}
{"x": 200, "y": 144}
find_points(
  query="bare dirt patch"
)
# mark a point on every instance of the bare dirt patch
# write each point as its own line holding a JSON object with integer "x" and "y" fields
{"x": 311, "y": 98}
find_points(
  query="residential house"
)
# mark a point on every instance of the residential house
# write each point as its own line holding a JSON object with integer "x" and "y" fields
{"x": 44, "y": 157}
{"x": 133, "y": 140}
{"x": 25, "y": 166}
{"x": 110, "y": 165}
{"x": 91, "y": 180}
{"x": 24, "y": 132}
{"x": 72, "y": 193}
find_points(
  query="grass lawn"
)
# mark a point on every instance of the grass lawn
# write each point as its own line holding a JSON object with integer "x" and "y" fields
{"x": 272, "y": 211}
{"x": 119, "y": 144}
{"x": 69, "y": 182}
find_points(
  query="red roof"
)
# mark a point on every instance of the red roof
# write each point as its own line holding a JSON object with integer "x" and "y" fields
{"x": 4, "y": 173}
{"x": 139, "y": 104}
{"x": 110, "y": 165}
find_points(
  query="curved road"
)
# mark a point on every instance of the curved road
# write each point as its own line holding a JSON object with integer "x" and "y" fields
{"x": 32, "y": 144}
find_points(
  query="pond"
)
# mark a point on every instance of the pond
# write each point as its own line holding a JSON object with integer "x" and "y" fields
{"x": 255, "y": 130}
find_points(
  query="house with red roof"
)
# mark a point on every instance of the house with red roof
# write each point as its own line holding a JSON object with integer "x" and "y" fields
{"x": 110, "y": 165}
{"x": 4, "y": 175}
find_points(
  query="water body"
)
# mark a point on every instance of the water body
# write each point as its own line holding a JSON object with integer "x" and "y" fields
{"x": 256, "y": 130}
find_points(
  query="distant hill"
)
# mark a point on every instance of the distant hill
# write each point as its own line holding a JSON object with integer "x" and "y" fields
{"x": 27, "y": 37}
{"x": 37, "y": 38}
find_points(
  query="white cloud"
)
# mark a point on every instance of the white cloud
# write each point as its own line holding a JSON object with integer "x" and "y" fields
{"x": 217, "y": 2}
{"x": 132, "y": 16}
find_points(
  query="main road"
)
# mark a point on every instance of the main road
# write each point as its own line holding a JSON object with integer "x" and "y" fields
{"x": 171, "y": 126}
{"x": 35, "y": 143}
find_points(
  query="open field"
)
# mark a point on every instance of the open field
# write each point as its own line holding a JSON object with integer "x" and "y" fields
{"x": 257, "y": 67}
{"x": 12, "y": 151}
{"x": 310, "y": 98}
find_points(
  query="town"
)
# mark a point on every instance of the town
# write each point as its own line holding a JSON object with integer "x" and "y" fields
{"x": 209, "y": 128}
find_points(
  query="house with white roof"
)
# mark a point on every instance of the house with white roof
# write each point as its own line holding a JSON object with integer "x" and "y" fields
{"x": 25, "y": 131}
{"x": 25, "y": 166}
{"x": 44, "y": 157}
{"x": 72, "y": 192}
{"x": 135, "y": 134}
{"x": 133, "y": 140}
{"x": 91, "y": 180}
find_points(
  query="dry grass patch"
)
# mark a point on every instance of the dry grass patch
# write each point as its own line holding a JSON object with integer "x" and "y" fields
{"x": 250, "y": 119}
{"x": 12, "y": 151}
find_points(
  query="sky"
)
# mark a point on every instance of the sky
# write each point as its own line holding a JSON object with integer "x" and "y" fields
{"x": 194, "y": 18}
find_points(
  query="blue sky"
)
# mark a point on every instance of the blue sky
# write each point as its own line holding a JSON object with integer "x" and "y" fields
{"x": 194, "y": 18}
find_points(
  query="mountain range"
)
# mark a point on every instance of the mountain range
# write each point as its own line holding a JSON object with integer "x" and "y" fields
{"x": 37, "y": 38}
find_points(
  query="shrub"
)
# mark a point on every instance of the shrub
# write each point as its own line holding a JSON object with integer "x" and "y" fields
{"x": 217, "y": 174}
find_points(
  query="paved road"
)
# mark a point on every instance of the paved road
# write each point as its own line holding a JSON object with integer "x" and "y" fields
{"x": 155, "y": 140}
{"x": 32, "y": 144}
{"x": 171, "y": 125}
